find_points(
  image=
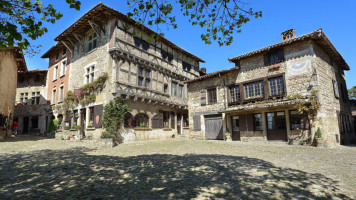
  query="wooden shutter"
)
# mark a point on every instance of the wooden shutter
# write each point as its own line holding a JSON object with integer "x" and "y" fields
{"x": 266, "y": 59}
{"x": 229, "y": 95}
{"x": 160, "y": 114}
{"x": 155, "y": 121}
{"x": 203, "y": 98}
{"x": 304, "y": 122}
{"x": 196, "y": 121}
{"x": 98, "y": 109}
{"x": 173, "y": 120}
{"x": 280, "y": 55}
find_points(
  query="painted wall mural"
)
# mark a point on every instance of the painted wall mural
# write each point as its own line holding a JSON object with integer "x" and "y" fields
{"x": 298, "y": 67}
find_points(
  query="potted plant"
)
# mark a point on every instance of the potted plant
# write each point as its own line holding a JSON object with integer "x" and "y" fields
{"x": 227, "y": 134}
{"x": 89, "y": 125}
{"x": 142, "y": 124}
{"x": 166, "y": 125}
{"x": 107, "y": 139}
{"x": 318, "y": 137}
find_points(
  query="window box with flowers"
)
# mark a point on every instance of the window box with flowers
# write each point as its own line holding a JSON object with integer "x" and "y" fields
{"x": 107, "y": 139}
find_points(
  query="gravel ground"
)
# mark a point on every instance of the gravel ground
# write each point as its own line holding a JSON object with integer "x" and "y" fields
{"x": 41, "y": 168}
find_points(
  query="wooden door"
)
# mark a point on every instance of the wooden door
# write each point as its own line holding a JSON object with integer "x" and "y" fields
{"x": 213, "y": 127}
{"x": 276, "y": 126}
{"x": 235, "y": 122}
{"x": 26, "y": 121}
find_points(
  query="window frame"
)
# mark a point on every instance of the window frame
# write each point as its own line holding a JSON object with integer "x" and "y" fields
{"x": 253, "y": 85}
{"x": 54, "y": 94}
{"x": 55, "y": 73}
{"x": 234, "y": 95}
{"x": 143, "y": 78}
{"x": 64, "y": 52}
{"x": 254, "y": 122}
{"x": 61, "y": 93}
{"x": 63, "y": 68}
{"x": 89, "y": 74}
{"x": 92, "y": 39}
{"x": 277, "y": 90}
{"x": 212, "y": 95}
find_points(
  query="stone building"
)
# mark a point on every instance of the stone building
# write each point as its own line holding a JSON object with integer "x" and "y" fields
{"x": 58, "y": 77}
{"x": 32, "y": 111}
{"x": 11, "y": 61}
{"x": 256, "y": 100}
{"x": 149, "y": 75}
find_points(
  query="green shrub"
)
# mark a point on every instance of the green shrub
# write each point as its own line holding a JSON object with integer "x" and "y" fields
{"x": 76, "y": 127}
{"x": 318, "y": 133}
{"x": 227, "y": 132}
{"x": 66, "y": 127}
{"x": 62, "y": 137}
{"x": 107, "y": 135}
{"x": 52, "y": 128}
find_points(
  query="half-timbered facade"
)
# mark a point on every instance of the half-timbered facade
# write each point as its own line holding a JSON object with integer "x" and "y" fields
{"x": 149, "y": 74}
{"x": 256, "y": 100}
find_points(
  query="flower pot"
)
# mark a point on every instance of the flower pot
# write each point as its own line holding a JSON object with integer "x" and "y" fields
{"x": 318, "y": 142}
{"x": 108, "y": 142}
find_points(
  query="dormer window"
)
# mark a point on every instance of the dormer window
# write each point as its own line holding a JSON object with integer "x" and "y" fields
{"x": 274, "y": 57}
{"x": 92, "y": 42}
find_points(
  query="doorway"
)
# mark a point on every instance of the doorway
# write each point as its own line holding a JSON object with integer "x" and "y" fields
{"x": 276, "y": 126}
{"x": 235, "y": 123}
{"x": 26, "y": 121}
{"x": 179, "y": 123}
{"x": 213, "y": 127}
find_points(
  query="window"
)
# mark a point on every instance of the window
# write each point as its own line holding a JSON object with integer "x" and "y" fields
{"x": 254, "y": 90}
{"x": 212, "y": 98}
{"x": 203, "y": 98}
{"x": 57, "y": 57}
{"x": 55, "y": 73}
{"x": 185, "y": 120}
{"x": 61, "y": 93}
{"x": 276, "y": 121}
{"x": 140, "y": 42}
{"x": 336, "y": 89}
{"x": 174, "y": 91}
{"x": 129, "y": 120}
{"x": 63, "y": 68}
{"x": 141, "y": 120}
{"x": 92, "y": 42}
{"x": 257, "y": 118}
{"x": 276, "y": 86}
{"x": 24, "y": 98}
{"x": 298, "y": 121}
{"x": 54, "y": 96}
{"x": 186, "y": 66}
{"x": 273, "y": 58}
{"x": 165, "y": 88}
{"x": 234, "y": 95}
{"x": 144, "y": 77}
{"x": 165, "y": 119}
{"x": 89, "y": 74}
{"x": 166, "y": 56}
{"x": 64, "y": 52}
{"x": 35, "y": 98}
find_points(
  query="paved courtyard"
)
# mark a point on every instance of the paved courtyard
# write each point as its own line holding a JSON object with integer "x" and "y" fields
{"x": 41, "y": 168}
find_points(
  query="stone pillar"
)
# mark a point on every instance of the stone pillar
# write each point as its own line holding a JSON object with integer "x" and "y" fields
{"x": 288, "y": 123}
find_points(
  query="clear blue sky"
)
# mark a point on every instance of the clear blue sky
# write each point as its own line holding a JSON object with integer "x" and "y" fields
{"x": 337, "y": 19}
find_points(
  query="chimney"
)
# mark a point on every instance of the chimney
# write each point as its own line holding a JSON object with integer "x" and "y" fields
{"x": 202, "y": 71}
{"x": 287, "y": 35}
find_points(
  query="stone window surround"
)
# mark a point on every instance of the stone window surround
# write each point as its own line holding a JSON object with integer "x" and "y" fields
{"x": 63, "y": 73}
{"x": 54, "y": 94}
{"x": 35, "y": 97}
{"x": 55, "y": 72}
{"x": 61, "y": 93}
{"x": 212, "y": 101}
{"x": 86, "y": 70}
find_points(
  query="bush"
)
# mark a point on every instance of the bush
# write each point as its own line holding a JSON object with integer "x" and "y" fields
{"x": 318, "y": 133}
{"x": 66, "y": 127}
{"x": 76, "y": 127}
{"x": 52, "y": 128}
{"x": 62, "y": 137}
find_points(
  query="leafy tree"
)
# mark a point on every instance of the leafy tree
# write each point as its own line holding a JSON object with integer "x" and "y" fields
{"x": 21, "y": 20}
{"x": 114, "y": 115}
{"x": 352, "y": 93}
{"x": 220, "y": 19}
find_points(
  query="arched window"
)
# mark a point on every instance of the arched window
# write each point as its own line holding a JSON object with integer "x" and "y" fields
{"x": 141, "y": 120}
{"x": 129, "y": 121}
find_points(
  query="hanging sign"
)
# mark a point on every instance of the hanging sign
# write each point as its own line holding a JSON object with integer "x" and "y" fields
{"x": 77, "y": 93}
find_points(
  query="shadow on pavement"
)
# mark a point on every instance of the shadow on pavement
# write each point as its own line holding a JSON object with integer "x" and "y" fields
{"x": 75, "y": 174}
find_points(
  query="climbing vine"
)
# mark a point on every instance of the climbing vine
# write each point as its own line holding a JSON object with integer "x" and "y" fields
{"x": 114, "y": 115}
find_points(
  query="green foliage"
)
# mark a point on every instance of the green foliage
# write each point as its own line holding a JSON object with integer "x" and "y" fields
{"x": 76, "y": 127}
{"x": 23, "y": 20}
{"x": 221, "y": 19}
{"x": 53, "y": 126}
{"x": 318, "y": 133}
{"x": 227, "y": 132}
{"x": 114, "y": 115}
{"x": 62, "y": 137}
{"x": 352, "y": 93}
{"x": 66, "y": 127}
{"x": 310, "y": 107}
{"x": 106, "y": 135}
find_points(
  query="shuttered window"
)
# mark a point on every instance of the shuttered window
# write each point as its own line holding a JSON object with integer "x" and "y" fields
{"x": 212, "y": 97}
{"x": 196, "y": 123}
{"x": 273, "y": 58}
{"x": 203, "y": 98}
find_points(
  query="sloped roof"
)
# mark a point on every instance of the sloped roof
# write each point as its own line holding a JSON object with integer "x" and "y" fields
{"x": 317, "y": 36}
{"x": 99, "y": 12}
{"x": 212, "y": 74}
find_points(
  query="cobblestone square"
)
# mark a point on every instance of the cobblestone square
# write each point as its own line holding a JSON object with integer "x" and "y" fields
{"x": 42, "y": 168}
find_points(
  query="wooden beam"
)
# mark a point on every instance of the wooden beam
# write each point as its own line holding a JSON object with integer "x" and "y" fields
{"x": 81, "y": 44}
{"x": 93, "y": 27}
{"x": 70, "y": 50}
{"x": 71, "y": 42}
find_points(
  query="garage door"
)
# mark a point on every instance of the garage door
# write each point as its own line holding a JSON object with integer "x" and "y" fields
{"x": 213, "y": 127}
